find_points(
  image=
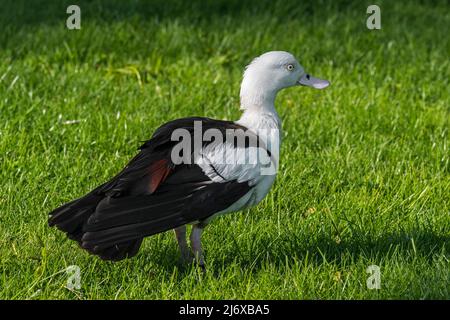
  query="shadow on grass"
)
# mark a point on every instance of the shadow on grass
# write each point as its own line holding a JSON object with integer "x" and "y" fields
{"x": 111, "y": 29}
{"x": 287, "y": 249}
{"x": 20, "y": 12}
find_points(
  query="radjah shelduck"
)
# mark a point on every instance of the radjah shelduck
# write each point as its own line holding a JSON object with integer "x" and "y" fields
{"x": 161, "y": 189}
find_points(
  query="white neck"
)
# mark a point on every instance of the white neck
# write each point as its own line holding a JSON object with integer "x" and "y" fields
{"x": 258, "y": 105}
{"x": 262, "y": 119}
{"x": 255, "y": 119}
{"x": 257, "y": 99}
{"x": 260, "y": 116}
{"x": 257, "y": 94}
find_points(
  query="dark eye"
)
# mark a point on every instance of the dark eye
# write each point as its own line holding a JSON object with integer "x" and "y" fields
{"x": 307, "y": 76}
{"x": 290, "y": 67}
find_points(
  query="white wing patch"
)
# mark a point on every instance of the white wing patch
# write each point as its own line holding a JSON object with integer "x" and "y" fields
{"x": 223, "y": 162}
{"x": 256, "y": 164}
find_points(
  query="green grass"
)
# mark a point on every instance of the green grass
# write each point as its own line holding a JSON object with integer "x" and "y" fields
{"x": 364, "y": 175}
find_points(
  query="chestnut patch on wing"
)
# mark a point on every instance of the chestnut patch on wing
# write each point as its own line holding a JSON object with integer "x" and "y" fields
{"x": 158, "y": 171}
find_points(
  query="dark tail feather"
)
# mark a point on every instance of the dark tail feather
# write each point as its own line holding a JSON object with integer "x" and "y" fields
{"x": 71, "y": 217}
{"x": 126, "y": 227}
{"x": 119, "y": 224}
{"x": 118, "y": 251}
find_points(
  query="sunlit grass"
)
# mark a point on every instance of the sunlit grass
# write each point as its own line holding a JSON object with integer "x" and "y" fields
{"x": 364, "y": 176}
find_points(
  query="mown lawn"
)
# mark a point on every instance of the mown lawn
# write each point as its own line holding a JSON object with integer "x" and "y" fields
{"x": 364, "y": 176}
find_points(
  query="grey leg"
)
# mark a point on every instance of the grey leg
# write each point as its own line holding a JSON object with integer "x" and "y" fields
{"x": 180, "y": 233}
{"x": 197, "y": 245}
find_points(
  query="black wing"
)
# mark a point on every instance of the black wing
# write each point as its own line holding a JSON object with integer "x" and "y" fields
{"x": 150, "y": 195}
